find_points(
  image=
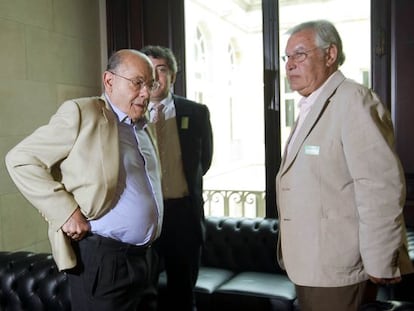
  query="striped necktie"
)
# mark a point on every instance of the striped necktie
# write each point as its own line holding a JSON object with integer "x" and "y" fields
{"x": 159, "y": 114}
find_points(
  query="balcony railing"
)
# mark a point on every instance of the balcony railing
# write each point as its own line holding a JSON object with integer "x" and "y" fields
{"x": 235, "y": 203}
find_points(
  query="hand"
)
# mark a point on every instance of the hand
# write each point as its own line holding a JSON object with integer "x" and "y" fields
{"x": 76, "y": 227}
{"x": 385, "y": 281}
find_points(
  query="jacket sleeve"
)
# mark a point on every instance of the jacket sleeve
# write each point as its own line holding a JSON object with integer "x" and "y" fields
{"x": 368, "y": 143}
{"x": 33, "y": 165}
{"x": 207, "y": 141}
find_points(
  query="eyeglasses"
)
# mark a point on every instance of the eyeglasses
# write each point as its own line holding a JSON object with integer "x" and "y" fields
{"x": 140, "y": 84}
{"x": 299, "y": 57}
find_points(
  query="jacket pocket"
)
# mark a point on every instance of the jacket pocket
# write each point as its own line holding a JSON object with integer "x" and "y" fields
{"x": 340, "y": 242}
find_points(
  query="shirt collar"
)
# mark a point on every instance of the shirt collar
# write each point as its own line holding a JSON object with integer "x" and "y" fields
{"x": 168, "y": 101}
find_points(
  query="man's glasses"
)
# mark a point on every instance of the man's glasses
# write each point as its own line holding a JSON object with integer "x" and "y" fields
{"x": 140, "y": 84}
{"x": 299, "y": 57}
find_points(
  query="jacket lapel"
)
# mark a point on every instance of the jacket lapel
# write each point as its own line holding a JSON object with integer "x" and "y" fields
{"x": 109, "y": 135}
{"x": 311, "y": 119}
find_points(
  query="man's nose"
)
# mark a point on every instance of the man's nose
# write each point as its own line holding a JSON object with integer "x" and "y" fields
{"x": 145, "y": 93}
{"x": 290, "y": 64}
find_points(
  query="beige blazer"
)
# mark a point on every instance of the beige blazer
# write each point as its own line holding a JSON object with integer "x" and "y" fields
{"x": 83, "y": 133}
{"x": 340, "y": 192}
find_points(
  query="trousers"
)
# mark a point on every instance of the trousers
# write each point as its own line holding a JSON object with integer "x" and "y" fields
{"x": 110, "y": 275}
{"x": 345, "y": 298}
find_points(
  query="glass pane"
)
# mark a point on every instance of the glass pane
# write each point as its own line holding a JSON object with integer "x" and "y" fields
{"x": 351, "y": 18}
{"x": 224, "y": 65}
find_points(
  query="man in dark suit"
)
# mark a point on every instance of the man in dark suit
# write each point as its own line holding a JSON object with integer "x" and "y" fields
{"x": 185, "y": 145}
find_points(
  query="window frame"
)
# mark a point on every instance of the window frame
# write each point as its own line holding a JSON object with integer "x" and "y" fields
{"x": 135, "y": 23}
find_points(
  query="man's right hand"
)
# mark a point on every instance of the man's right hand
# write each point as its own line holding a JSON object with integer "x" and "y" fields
{"x": 384, "y": 281}
{"x": 76, "y": 227}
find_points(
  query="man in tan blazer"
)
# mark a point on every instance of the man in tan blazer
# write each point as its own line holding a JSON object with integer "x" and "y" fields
{"x": 340, "y": 186}
{"x": 93, "y": 173}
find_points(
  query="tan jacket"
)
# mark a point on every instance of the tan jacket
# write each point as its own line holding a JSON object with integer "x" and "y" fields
{"x": 83, "y": 133}
{"x": 340, "y": 192}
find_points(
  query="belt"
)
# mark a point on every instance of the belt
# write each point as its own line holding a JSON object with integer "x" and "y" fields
{"x": 115, "y": 245}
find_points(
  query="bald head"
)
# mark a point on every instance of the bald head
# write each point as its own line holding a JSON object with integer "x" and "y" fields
{"x": 128, "y": 80}
{"x": 122, "y": 56}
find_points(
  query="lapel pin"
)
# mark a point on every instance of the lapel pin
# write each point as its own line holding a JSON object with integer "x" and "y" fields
{"x": 184, "y": 123}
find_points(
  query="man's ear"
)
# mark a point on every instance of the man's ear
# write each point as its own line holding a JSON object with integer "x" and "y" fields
{"x": 331, "y": 55}
{"x": 173, "y": 77}
{"x": 107, "y": 80}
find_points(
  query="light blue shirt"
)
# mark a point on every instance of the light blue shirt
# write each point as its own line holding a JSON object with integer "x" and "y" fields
{"x": 136, "y": 216}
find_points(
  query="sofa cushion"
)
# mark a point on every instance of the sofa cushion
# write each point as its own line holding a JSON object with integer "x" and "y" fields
{"x": 388, "y": 306}
{"x": 255, "y": 291}
{"x": 260, "y": 284}
{"x": 209, "y": 279}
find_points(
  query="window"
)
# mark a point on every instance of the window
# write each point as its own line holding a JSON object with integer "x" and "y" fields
{"x": 199, "y": 65}
{"x": 225, "y": 71}
{"x": 232, "y": 87}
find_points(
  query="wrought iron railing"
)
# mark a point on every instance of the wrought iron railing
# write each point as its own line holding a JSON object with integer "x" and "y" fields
{"x": 235, "y": 203}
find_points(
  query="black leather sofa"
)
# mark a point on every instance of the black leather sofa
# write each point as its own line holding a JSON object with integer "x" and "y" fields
{"x": 30, "y": 281}
{"x": 239, "y": 268}
{"x": 239, "y": 272}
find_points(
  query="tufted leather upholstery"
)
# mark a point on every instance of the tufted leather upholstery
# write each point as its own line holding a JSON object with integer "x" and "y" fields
{"x": 239, "y": 272}
{"x": 239, "y": 268}
{"x": 234, "y": 243}
{"x": 30, "y": 281}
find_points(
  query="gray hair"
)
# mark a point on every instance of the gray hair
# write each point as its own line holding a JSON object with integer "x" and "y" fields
{"x": 325, "y": 35}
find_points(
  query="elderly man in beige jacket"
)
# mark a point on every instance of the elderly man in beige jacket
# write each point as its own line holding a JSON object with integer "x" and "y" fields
{"x": 93, "y": 173}
{"x": 340, "y": 186}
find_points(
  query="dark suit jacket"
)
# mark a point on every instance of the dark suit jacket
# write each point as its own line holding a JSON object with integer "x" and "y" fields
{"x": 196, "y": 141}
